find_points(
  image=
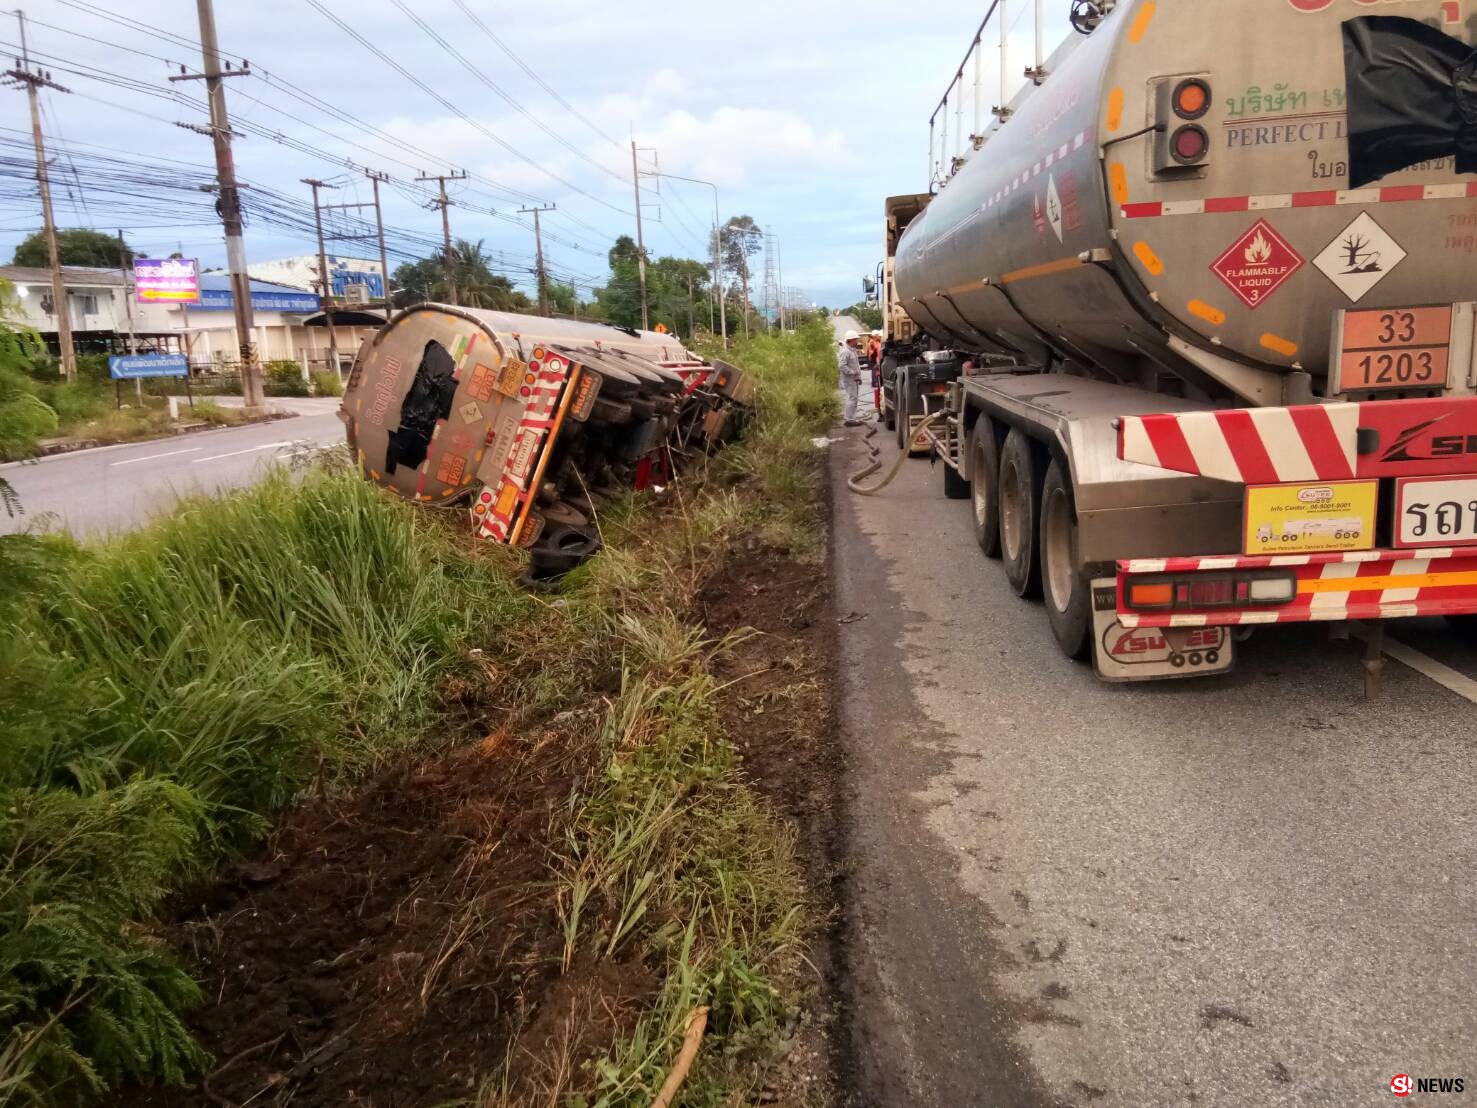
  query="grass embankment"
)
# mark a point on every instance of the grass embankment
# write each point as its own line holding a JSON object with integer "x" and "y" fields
{"x": 167, "y": 693}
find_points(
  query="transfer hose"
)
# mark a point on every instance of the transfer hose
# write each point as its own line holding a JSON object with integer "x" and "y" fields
{"x": 854, "y": 482}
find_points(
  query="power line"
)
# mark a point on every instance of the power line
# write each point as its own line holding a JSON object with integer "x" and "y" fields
{"x": 472, "y": 69}
{"x": 456, "y": 111}
{"x": 535, "y": 76}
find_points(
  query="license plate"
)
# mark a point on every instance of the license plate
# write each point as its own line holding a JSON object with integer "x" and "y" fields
{"x": 1395, "y": 348}
{"x": 1436, "y": 511}
{"x": 523, "y": 455}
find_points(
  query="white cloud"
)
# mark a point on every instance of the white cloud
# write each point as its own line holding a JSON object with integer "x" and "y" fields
{"x": 733, "y": 144}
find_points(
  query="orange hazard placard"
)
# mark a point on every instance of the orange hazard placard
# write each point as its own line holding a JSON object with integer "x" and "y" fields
{"x": 1395, "y": 348}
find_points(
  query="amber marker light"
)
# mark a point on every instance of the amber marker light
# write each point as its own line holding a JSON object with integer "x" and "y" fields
{"x": 1191, "y": 98}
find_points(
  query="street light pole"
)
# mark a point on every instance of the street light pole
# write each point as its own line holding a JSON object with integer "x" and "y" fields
{"x": 717, "y": 248}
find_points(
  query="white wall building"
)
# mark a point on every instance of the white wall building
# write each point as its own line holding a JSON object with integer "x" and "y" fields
{"x": 302, "y": 272}
{"x": 287, "y": 322}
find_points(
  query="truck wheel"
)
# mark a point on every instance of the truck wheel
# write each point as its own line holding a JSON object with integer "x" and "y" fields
{"x": 889, "y": 419}
{"x": 1067, "y": 592}
{"x": 1020, "y": 514}
{"x": 984, "y": 487}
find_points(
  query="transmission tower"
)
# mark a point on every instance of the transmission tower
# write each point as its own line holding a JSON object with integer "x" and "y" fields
{"x": 771, "y": 295}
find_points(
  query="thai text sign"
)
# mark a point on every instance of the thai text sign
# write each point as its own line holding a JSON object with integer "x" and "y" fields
{"x": 125, "y": 367}
{"x": 167, "y": 280}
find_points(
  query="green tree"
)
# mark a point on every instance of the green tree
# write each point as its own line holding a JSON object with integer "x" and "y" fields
{"x": 869, "y": 314}
{"x": 477, "y": 286}
{"x": 76, "y": 246}
{"x": 620, "y": 299}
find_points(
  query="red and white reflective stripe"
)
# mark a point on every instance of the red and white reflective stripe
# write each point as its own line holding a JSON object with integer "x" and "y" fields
{"x": 1327, "y": 198}
{"x": 1255, "y": 446}
{"x": 1443, "y": 582}
{"x": 1019, "y": 182}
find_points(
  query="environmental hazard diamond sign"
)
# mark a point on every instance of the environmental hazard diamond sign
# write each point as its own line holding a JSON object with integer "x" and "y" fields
{"x": 1257, "y": 264}
{"x": 1359, "y": 257}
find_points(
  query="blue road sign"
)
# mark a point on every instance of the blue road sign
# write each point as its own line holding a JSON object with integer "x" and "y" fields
{"x": 125, "y": 367}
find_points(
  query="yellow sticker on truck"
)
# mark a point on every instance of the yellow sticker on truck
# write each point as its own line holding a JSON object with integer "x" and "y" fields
{"x": 1310, "y": 518}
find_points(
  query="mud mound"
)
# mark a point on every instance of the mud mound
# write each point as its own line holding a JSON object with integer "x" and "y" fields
{"x": 393, "y": 947}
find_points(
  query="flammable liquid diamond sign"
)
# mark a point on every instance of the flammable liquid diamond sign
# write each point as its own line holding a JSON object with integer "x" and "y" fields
{"x": 1257, "y": 264}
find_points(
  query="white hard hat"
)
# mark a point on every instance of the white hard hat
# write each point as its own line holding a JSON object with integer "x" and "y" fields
{"x": 877, "y": 334}
{"x": 849, "y": 336}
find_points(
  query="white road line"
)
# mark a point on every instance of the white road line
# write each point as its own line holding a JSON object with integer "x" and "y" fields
{"x": 151, "y": 457}
{"x": 248, "y": 450}
{"x": 1426, "y": 666}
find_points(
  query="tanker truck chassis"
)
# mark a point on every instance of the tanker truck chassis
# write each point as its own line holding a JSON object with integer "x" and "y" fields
{"x": 1213, "y": 323}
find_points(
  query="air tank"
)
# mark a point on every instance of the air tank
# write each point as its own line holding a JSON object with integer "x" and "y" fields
{"x": 1173, "y": 207}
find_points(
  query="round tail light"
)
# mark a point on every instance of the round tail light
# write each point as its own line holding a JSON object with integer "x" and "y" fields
{"x": 1190, "y": 145}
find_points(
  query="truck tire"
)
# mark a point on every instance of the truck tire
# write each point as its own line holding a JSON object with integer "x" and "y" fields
{"x": 984, "y": 486}
{"x": 1020, "y": 514}
{"x": 955, "y": 486}
{"x": 889, "y": 418}
{"x": 1064, "y": 585}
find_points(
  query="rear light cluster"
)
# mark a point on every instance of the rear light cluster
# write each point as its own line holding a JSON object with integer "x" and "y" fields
{"x": 1182, "y": 143}
{"x": 1199, "y": 591}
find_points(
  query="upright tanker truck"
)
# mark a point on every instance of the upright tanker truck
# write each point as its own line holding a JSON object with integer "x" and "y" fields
{"x": 1209, "y": 284}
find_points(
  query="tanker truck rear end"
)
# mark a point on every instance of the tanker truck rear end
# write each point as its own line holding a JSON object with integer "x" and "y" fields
{"x": 1210, "y": 280}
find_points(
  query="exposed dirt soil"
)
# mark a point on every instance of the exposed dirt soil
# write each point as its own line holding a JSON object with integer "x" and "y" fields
{"x": 393, "y": 947}
{"x": 778, "y": 710}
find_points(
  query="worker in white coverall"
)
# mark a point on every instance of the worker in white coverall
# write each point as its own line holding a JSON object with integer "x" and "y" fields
{"x": 850, "y": 365}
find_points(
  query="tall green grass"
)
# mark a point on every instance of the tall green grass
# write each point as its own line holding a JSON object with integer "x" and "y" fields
{"x": 166, "y": 692}
{"x": 163, "y": 695}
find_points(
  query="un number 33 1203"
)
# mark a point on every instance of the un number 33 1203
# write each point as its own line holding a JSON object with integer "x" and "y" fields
{"x": 1407, "y": 367}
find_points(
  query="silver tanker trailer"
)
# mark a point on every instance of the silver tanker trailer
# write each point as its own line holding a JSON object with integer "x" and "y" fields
{"x": 531, "y": 423}
{"x": 1202, "y": 300}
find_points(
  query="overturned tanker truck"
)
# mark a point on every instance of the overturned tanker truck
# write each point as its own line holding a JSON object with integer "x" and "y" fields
{"x": 531, "y": 422}
{"x": 1198, "y": 311}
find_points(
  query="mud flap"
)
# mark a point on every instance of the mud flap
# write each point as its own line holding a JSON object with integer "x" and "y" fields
{"x": 1152, "y": 653}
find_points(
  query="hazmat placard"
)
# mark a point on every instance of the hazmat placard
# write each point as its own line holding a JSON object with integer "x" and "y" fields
{"x": 1310, "y": 519}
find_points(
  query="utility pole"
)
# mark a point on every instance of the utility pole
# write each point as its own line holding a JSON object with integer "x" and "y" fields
{"x": 444, "y": 203}
{"x": 376, "y": 178}
{"x": 640, "y": 242}
{"x": 538, "y": 247}
{"x": 229, "y": 203}
{"x": 123, "y": 268}
{"x": 325, "y": 286}
{"x": 33, "y": 81}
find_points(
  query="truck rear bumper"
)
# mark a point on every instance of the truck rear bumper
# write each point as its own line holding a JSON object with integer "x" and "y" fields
{"x": 1363, "y": 585}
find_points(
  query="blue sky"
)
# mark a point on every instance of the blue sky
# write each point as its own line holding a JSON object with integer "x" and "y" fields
{"x": 805, "y": 116}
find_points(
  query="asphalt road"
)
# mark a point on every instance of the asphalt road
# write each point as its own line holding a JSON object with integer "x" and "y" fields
{"x": 1255, "y": 889}
{"x": 114, "y": 488}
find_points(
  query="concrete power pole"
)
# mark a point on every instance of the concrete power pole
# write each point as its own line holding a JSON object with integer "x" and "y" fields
{"x": 376, "y": 178}
{"x": 640, "y": 242}
{"x": 325, "y": 285}
{"x": 230, "y": 198}
{"x": 33, "y": 81}
{"x": 444, "y": 203}
{"x": 541, "y": 273}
